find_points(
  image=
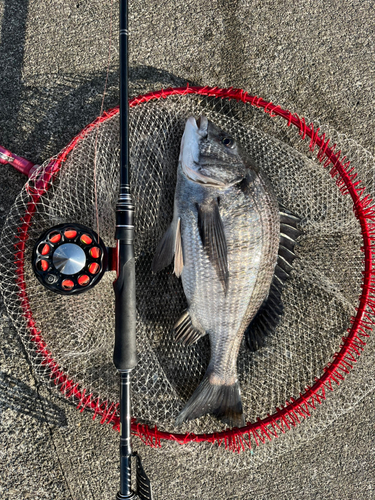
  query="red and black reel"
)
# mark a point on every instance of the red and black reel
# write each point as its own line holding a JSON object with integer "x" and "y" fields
{"x": 69, "y": 259}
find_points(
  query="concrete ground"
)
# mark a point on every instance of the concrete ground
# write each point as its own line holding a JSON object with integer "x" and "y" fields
{"x": 315, "y": 58}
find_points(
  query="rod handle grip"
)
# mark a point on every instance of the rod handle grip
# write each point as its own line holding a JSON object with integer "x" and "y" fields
{"x": 125, "y": 350}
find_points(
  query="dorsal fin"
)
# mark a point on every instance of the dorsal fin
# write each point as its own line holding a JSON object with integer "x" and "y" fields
{"x": 269, "y": 314}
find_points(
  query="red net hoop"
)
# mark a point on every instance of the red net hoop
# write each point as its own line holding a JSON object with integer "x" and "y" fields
{"x": 295, "y": 409}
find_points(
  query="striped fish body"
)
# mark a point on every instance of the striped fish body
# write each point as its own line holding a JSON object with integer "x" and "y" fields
{"x": 226, "y": 233}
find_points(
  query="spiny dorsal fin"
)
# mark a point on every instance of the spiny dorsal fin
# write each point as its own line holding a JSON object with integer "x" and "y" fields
{"x": 269, "y": 314}
{"x": 185, "y": 332}
{"x": 211, "y": 230}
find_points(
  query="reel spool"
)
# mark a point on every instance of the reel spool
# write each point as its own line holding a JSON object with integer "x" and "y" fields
{"x": 69, "y": 259}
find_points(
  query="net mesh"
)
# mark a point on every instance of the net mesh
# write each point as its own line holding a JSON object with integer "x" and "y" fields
{"x": 75, "y": 334}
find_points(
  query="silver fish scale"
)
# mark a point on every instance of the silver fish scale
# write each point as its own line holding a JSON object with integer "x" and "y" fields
{"x": 268, "y": 208}
{"x": 252, "y": 233}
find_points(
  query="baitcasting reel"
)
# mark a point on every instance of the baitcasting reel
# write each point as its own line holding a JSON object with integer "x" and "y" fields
{"x": 69, "y": 259}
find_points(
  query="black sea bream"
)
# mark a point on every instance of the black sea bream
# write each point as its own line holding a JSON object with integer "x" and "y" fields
{"x": 225, "y": 238}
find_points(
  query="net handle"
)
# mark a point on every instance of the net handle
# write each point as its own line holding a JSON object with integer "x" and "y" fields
{"x": 24, "y": 166}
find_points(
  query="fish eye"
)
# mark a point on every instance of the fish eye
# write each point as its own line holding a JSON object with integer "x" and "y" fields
{"x": 228, "y": 142}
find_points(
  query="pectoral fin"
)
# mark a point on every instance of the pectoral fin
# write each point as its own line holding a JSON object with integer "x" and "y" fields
{"x": 170, "y": 245}
{"x": 211, "y": 230}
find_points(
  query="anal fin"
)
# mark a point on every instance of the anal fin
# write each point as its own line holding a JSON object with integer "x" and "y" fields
{"x": 185, "y": 332}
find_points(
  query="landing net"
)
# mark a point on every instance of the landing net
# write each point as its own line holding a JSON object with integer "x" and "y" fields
{"x": 328, "y": 301}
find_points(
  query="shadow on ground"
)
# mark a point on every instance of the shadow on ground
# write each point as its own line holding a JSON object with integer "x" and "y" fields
{"x": 18, "y": 396}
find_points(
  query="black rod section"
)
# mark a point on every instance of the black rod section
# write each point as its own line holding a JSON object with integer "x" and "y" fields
{"x": 125, "y": 444}
{"x": 125, "y": 349}
{"x": 125, "y": 355}
{"x": 124, "y": 95}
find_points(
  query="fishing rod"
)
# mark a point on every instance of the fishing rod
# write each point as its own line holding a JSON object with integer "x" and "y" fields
{"x": 125, "y": 351}
{"x": 71, "y": 259}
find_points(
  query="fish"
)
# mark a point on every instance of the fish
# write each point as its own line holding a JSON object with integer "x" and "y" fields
{"x": 224, "y": 239}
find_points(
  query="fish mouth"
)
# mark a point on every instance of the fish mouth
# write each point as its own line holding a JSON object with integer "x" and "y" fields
{"x": 195, "y": 131}
{"x": 202, "y": 124}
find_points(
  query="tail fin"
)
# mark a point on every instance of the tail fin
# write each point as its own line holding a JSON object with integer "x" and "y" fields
{"x": 223, "y": 401}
